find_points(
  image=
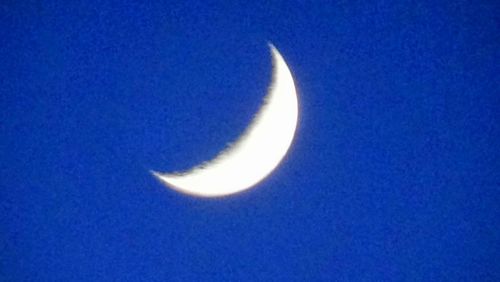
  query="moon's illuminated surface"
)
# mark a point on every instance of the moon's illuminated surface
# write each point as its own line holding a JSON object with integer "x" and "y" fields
{"x": 256, "y": 153}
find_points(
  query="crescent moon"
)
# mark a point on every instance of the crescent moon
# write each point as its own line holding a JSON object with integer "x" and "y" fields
{"x": 256, "y": 153}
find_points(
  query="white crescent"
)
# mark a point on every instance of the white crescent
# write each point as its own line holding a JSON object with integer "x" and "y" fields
{"x": 256, "y": 153}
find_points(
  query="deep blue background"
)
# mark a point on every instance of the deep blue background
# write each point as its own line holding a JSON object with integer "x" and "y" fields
{"x": 393, "y": 175}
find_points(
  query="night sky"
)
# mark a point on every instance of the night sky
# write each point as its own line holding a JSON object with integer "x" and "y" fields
{"x": 393, "y": 175}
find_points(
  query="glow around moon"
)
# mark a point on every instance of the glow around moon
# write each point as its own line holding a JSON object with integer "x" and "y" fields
{"x": 256, "y": 153}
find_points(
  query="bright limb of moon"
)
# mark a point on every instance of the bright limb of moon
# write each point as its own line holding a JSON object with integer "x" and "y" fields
{"x": 256, "y": 153}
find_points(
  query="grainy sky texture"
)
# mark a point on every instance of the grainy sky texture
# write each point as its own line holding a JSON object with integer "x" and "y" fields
{"x": 393, "y": 175}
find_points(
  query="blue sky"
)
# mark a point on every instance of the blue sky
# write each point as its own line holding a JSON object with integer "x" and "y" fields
{"x": 393, "y": 174}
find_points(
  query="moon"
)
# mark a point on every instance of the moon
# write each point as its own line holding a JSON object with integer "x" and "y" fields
{"x": 256, "y": 153}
